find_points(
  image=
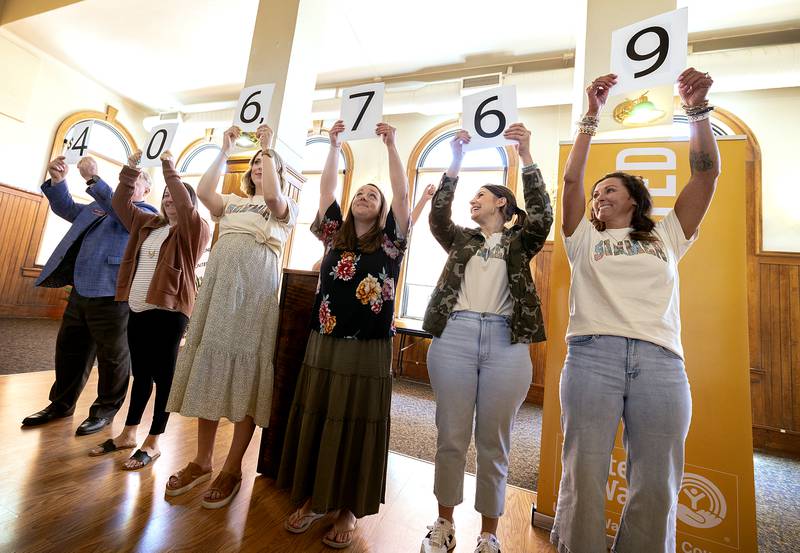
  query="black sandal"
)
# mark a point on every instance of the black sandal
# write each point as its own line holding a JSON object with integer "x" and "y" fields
{"x": 108, "y": 447}
{"x": 143, "y": 458}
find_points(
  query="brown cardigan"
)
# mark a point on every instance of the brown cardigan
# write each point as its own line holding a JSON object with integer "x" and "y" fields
{"x": 173, "y": 285}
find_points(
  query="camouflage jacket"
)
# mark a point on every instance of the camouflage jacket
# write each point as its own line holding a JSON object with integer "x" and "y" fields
{"x": 522, "y": 242}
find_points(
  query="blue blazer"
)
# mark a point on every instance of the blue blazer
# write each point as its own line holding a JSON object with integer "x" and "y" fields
{"x": 97, "y": 233}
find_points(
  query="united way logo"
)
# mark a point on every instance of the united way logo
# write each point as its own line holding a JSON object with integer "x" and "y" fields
{"x": 701, "y": 504}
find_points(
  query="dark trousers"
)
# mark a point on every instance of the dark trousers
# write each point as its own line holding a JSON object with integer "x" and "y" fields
{"x": 92, "y": 326}
{"x": 154, "y": 337}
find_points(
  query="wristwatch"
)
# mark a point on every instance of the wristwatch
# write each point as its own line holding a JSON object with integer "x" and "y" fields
{"x": 92, "y": 180}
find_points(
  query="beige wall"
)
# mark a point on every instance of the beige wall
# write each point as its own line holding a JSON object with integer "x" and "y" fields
{"x": 53, "y": 92}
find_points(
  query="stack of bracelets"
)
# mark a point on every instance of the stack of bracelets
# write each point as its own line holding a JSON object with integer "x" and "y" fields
{"x": 698, "y": 113}
{"x": 588, "y": 125}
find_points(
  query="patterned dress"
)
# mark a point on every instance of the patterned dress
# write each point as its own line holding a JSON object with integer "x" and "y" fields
{"x": 337, "y": 436}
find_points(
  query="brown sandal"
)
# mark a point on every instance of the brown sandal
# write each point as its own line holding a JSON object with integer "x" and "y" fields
{"x": 227, "y": 485}
{"x": 186, "y": 479}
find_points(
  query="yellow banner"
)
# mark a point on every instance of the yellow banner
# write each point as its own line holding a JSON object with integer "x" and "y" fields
{"x": 716, "y": 511}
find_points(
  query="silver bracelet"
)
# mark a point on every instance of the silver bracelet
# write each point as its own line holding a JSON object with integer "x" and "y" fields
{"x": 527, "y": 168}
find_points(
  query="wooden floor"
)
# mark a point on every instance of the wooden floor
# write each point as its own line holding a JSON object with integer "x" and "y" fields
{"x": 53, "y": 497}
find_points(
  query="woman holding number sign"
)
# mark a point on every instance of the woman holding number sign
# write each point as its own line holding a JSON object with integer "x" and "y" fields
{"x": 225, "y": 369}
{"x": 624, "y": 354}
{"x": 157, "y": 280}
{"x": 337, "y": 436}
{"x": 483, "y": 313}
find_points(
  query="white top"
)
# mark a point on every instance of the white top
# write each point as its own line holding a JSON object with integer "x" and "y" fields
{"x": 252, "y": 216}
{"x": 624, "y": 287}
{"x": 484, "y": 288}
{"x": 148, "y": 259}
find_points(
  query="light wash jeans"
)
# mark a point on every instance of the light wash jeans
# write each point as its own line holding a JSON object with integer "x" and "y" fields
{"x": 605, "y": 378}
{"x": 477, "y": 374}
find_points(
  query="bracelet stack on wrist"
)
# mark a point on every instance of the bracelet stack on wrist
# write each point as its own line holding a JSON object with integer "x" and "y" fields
{"x": 699, "y": 112}
{"x": 588, "y": 125}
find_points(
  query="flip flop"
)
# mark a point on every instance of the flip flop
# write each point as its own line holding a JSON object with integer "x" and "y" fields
{"x": 109, "y": 447}
{"x": 339, "y": 545}
{"x": 307, "y": 519}
{"x": 143, "y": 458}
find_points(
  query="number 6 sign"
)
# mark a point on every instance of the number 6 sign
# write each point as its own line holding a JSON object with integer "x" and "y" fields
{"x": 158, "y": 142}
{"x": 651, "y": 52}
{"x": 487, "y": 114}
{"x": 253, "y": 106}
{"x": 362, "y": 109}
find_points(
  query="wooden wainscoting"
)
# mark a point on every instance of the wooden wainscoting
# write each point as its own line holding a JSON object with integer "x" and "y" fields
{"x": 22, "y": 217}
{"x": 775, "y": 351}
{"x": 414, "y": 358}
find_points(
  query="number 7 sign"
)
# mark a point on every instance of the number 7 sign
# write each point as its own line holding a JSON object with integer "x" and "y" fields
{"x": 362, "y": 109}
{"x": 651, "y": 52}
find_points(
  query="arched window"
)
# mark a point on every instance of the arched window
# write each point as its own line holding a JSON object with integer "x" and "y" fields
{"x": 306, "y": 249}
{"x": 110, "y": 144}
{"x": 430, "y": 159}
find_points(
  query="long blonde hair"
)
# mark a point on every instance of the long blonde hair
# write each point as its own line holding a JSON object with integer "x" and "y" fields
{"x": 248, "y": 187}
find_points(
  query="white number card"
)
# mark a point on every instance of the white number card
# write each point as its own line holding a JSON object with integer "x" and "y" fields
{"x": 651, "y": 52}
{"x": 487, "y": 114}
{"x": 253, "y": 106}
{"x": 158, "y": 142}
{"x": 362, "y": 110}
{"x": 75, "y": 147}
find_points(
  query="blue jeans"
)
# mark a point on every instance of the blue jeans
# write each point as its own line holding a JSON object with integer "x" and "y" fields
{"x": 605, "y": 378}
{"x": 477, "y": 374}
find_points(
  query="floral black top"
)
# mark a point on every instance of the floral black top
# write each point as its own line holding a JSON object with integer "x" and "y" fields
{"x": 355, "y": 293}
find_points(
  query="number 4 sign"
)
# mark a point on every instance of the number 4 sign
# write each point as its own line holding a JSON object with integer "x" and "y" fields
{"x": 362, "y": 109}
{"x": 487, "y": 114}
{"x": 76, "y": 146}
{"x": 651, "y": 52}
{"x": 253, "y": 106}
{"x": 158, "y": 142}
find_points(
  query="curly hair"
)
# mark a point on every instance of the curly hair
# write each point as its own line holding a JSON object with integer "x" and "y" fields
{"x": 641, "y": 222}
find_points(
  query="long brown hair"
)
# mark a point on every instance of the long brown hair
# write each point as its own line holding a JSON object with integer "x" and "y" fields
{"x": 511, "y": 208}
{"x": 371, "y": 240}
{"x": 192, "y": 196}
{"x": 641, "y": 222}
{"x": 248, "y": 187}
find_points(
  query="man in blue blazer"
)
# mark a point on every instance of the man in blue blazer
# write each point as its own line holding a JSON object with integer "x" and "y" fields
{"x": 88, "y": 259}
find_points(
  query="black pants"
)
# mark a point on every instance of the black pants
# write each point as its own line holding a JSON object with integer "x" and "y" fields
{"x": 92, "y": 326}
{"x": 153, "y": 338}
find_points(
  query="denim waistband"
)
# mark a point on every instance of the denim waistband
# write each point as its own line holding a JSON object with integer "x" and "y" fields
{"x": 475, "y": 316}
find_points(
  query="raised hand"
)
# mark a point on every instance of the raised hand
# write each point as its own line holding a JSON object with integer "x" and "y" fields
{"x": 518, "y": 132}
{"x": 457, "y": 143}
{"x": 167, "y": 156}
{"x": 333, "y": 134}
{"x": 597, "y": 92}
{"x": 134, "y": 159}
{"x": 428, "y": 193}
{"x": 693, "y": 86}
{"x": 87, "y": 167}
{"x": 229, "y": 138}
{"x": 58, "y": 169}
{"x": 386, "y": 132}
{"x": 264, "y": 134}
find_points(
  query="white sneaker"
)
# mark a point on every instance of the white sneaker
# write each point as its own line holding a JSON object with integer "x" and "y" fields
{"x": 441, "y": 537}
{"x": 487, "y": 543}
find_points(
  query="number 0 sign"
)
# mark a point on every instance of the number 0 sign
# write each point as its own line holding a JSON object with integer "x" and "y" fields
{"x": 158, "y": 142}
{"x": 75, "y": 147}
{"x": 253, "y": 106}
{"x": 651, "y": 52}
{"x": 487, "y": 114}
{"x": 362, "y": 109}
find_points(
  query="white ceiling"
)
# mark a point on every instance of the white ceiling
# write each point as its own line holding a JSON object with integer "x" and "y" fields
{"x": 169, "y": 54}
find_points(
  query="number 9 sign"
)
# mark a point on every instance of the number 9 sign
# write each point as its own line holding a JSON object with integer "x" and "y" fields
{"x": 253, "y": 106}
{"x": 651, "y": 52}
{"x": 487, "y": 114}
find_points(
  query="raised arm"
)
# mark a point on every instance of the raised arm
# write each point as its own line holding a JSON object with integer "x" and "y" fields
{"x": 427, "y": 194}
{"x": 270, "y": 180}
{"x": 207, "y": 187}
{"x": 538, "y": 210}
{"x": 440, "y": 218}
{"x": 397, "y": 177}
{"x": 122, "y": 201}
{"x": 573, "y": 198}
{"x": 693, "y": 201}
{"x": 57, "y": 193}
{"x": 330, "y": 173}
{"x": 96, "y": 187}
